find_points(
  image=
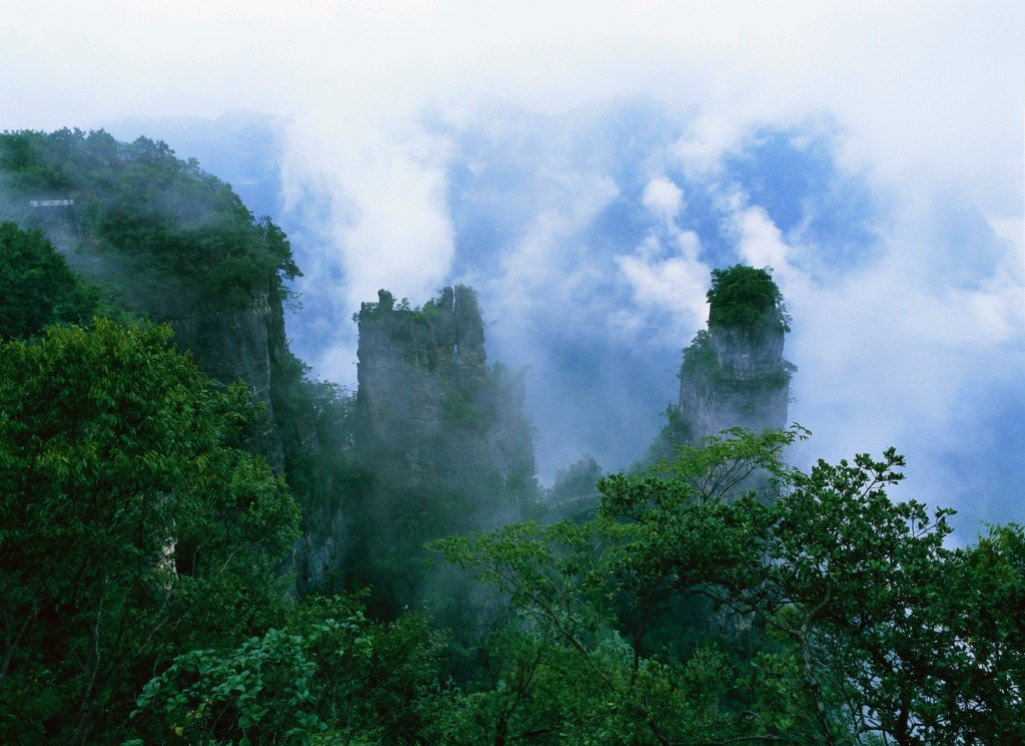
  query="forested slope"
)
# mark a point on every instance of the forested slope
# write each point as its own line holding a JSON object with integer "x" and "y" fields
{"x": 160, "y": 238}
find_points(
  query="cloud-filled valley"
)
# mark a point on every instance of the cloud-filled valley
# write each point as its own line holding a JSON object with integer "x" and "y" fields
{"x": 590, "y": 236}
{"x": 585, "y": 167}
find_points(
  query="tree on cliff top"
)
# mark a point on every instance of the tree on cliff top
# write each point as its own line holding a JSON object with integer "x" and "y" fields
{"x": 141, "y": 202}
{"x": 746, "y": 297}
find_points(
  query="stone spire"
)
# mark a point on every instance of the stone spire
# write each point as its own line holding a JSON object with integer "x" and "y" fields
{"x": 434, "y": 416}
{"x": 734, "y": 374}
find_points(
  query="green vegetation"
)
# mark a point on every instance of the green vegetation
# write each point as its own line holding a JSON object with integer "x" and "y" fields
{"x": 720, "y": 597}
{"x": 331, "y": 676}
{"x": 36, "y": 286}
{"x": 138, "y": 556}
{"x": 131, "y": 526}
{"x": 459, "y": 409}
{"x": 840, "y": 616}
{"x": 746, "y": 298}
{"x": 675, "y": 432}
{"x": 138, "y": 202}
{"x": 577, "y": 480}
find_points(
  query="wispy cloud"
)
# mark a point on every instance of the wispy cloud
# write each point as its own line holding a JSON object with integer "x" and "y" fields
{"x": 895, "y": 228}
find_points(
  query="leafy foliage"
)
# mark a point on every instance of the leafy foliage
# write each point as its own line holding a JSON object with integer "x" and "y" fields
{"x": 140, "y": 202}
{"x": 330, "y": 675}
{"x": 721, "y": 597}
{"x": 841, "y": 614}
{"x": 699, "y": 605}
{"x": 746, "y": 297}
{"x": 131, "y": 526}
{"x": 36, "y": 286}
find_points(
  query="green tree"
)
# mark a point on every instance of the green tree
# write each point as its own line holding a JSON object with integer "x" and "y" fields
{"x": 594, "y": 601}
{"x": 330, "y": 674}
{"x": 833, "y": 614}
{"x": 903, "y": 635}
{"x": 36, "y": 286}
{"x": 131, "y": 526}
{"x": 164, "y": 215}
{"x": 746, "y": 297}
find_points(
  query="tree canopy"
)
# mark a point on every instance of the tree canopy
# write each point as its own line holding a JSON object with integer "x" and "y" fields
{"x": 140, "y": 202}
{"x": 131, "y": 525}
{"x": 830, "y": 615}
{"x": 746, "y": 298}
{"x": 140, "y": 566}
{"x": 37, "y": 288}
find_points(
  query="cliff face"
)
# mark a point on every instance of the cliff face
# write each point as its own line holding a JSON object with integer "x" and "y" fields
{"x": 734, "y": 377}
{"x": 446, "y": 448}
{"x": 230, "y": 343}
{"x": 434, "y": 416}
{"x": 733, "y": 373}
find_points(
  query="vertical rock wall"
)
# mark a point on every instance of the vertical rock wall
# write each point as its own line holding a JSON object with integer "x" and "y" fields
{"x": 734, "y": 377}
{"x": 434, "y": 416}
{"x": 733, "y": 373}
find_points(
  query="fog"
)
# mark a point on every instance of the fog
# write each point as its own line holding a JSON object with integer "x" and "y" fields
{"x": 585, "y": 167}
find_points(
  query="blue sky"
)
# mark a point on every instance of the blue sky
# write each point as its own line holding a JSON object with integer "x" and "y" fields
{"x": 586, "y": 164}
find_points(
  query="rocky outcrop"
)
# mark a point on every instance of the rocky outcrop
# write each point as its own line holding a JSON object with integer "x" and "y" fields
{"x": 228, "y": 344}
{"x": 733, "y": 373}
{"x": 444, "y": 445}
{"x": 434, "y": 416}
{"x": 734, "y": 377}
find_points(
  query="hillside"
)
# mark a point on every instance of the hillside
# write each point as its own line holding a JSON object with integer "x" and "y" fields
{"x": 169, "y": 242}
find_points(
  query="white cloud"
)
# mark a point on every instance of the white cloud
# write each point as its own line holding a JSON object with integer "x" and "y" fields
{"x": 546, "y": 261}
{"x": 387, "y": 219}
{"x": 663, "y": 198}
{"x": 760, "y": 243}
{"x": 937, "y": 87}
{"x": 923, "y": 98}
{"x": 890, "y": 353}
{"x": 374, "y": 196}
{"x": 666, "y": 278}
{"x": 921, "y": 94}
{"x": 710, "y": 136}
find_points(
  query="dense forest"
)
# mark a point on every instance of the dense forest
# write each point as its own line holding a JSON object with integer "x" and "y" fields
{"x": 201, "y": 544}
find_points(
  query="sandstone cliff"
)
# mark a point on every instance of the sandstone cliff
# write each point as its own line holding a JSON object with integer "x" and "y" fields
{"x": 733, "y": 377}
{"x": 443, "y": 440}
{"x": 733, "y": 373}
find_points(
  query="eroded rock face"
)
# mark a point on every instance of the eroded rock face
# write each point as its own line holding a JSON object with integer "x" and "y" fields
{"x": 229, "y": 346}
{"x": 734, "y": 377}
{"x": 434, "y": 416}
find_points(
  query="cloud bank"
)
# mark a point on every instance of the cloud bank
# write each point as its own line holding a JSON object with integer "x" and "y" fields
{"x": 585, "y": 166}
